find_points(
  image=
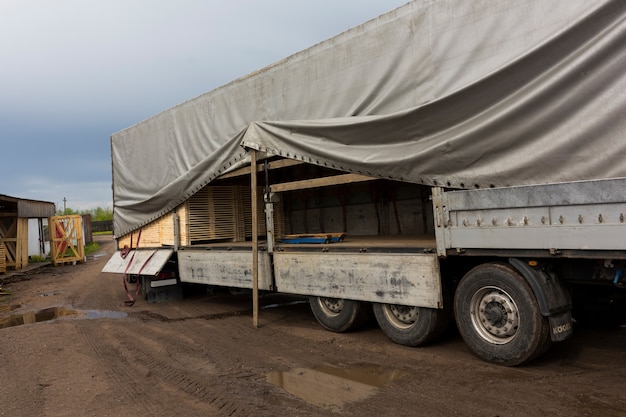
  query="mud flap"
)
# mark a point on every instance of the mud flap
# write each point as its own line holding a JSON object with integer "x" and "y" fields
{"x": 552, "y": 296}
{"x": 561, "y": 326}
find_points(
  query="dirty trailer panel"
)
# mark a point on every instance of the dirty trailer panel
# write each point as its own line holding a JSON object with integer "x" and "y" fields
{"x": 223, "y": 267}
{"x": 407, "y": 279}
{"x": 584, "y": 215}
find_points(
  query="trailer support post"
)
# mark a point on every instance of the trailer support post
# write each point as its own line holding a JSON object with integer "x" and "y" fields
{"x": 255, "y": 240}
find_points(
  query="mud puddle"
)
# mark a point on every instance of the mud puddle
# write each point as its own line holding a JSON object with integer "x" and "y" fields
{"x": 52, "y": 313}
{"x": 333, "y": 387}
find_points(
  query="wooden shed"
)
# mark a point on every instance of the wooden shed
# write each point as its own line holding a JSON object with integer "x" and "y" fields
{"x": 14, "y": 215}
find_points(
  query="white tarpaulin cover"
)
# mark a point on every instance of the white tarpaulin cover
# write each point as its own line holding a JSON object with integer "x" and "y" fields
{"x": 441, "y": 92}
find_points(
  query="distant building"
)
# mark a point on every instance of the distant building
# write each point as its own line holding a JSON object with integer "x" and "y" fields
{"x": 23, "y": 225}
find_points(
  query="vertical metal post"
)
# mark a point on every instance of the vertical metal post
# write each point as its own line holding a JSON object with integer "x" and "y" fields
{"x": 255, "y": 239}
{"x": 176, "y": 231}
{"x": 268, "y": 197}
{"x": 439, "y": 214}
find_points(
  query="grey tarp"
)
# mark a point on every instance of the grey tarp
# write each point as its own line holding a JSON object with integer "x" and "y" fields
{"x": 437, "y": 92}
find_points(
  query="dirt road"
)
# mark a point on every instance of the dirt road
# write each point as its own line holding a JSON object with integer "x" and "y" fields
{"x": 87, "y": 354}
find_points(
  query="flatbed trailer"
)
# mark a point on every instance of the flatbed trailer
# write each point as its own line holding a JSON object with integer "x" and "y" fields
{"x": 470, "y": 164}
{"x": 498, "y": 259}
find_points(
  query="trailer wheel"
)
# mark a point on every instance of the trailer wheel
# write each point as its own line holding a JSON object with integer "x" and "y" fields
{"x": 411, "y": 326}
{"x": 498, "y": 316}
{"x": 339, "y": 315}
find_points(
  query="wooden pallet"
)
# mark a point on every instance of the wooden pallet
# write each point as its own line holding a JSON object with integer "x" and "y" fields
{"x": 225, "y": 213}
{"x": 215, "y": 214}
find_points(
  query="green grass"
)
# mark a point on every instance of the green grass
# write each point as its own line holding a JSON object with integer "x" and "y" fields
{"x": 91, "y": 248}
{"x": 102, "y": 233}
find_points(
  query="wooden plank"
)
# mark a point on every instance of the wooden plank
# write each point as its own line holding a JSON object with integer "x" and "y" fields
{"x": 281, "y": 163}
{"x": 320, "y": 182}
{"x": 3, "y": 258}
{"x": 166, "y": 227}
{"x": 255, "y": 241}
{"x": 21, "y": 245}
{"x": 149, "y": 236}
{"x": 159, "y": 232}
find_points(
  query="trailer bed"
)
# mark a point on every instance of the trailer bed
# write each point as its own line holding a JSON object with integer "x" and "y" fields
{"x": 422, "y": 243}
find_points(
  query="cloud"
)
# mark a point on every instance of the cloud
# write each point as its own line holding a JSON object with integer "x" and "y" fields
{"x": 74, "y": 72}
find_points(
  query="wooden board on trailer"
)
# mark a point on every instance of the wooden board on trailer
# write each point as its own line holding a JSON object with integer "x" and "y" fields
{"x": 215, "y": 213}
{"x": 160, "y": 232}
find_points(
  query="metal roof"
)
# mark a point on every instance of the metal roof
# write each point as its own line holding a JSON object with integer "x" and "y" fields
{"x": 25, "y": 207}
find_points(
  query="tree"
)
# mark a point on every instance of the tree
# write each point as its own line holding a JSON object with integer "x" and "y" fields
{"x": 66, "y": 212}
{"x": 97, "y": 215}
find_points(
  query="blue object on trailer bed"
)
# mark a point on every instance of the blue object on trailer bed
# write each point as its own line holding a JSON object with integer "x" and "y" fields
{"x": 313, "y": 238}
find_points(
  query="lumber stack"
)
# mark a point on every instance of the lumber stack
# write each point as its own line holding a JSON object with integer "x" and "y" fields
{"x": 213, "y": 214}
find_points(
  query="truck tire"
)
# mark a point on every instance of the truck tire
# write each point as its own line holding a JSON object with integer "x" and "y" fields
{"x": 339, "y": 315}
{"x": 498, "y": 316}
{"x": 411, "y": 326}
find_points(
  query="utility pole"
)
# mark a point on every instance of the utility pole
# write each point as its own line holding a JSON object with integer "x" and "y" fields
{"x": 64, "y": 205}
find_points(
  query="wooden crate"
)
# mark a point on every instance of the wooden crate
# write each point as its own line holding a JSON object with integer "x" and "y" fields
{"x": 66, "y": 239}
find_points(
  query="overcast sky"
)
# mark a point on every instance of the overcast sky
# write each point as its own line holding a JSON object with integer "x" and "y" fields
{"x": 72, "y": 72}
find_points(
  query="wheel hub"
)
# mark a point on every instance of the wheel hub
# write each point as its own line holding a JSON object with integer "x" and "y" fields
{"x": 332, "y": 305}
{"x": 495, "y": 315}
{"x": 405, "y": 314}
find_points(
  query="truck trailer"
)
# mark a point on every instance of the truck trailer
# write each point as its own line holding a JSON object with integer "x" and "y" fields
{"x": 446, "y": 161}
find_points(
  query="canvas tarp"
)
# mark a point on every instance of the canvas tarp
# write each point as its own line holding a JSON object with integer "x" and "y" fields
{"x": 442, "y": 92}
